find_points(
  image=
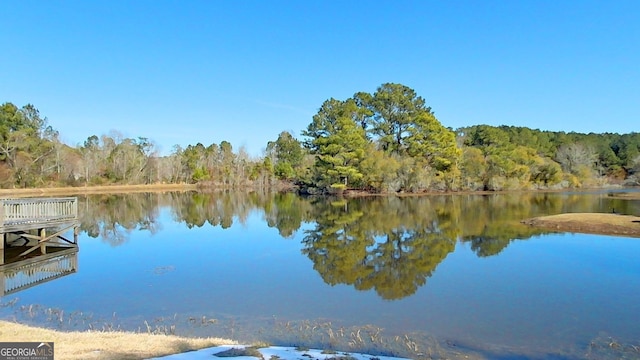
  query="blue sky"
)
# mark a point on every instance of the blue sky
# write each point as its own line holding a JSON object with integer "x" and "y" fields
{"x": 186, "y": 71}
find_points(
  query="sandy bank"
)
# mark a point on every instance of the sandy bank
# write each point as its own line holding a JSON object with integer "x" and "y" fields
{"x": 590, "y": 223}
{"x": 625, "y": 195}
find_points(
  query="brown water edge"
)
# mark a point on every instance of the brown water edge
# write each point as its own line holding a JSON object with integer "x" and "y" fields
{"x": 115, "y": 189}
{"x": 589, "y": 223}
{"x": 106, "y": 189}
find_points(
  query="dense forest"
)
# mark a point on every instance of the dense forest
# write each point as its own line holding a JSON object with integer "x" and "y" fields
{"x": 388, "y": 141}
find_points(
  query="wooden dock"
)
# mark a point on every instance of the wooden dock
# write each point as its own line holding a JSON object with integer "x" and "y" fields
{"x": 33, "y": 224}
{"x": 33, "y": 249}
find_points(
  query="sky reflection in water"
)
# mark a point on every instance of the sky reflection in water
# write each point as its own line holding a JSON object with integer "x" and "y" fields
{"x": 549, "y": 292}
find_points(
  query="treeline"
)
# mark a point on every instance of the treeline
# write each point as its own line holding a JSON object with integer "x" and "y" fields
{"x": 387, "y": 141}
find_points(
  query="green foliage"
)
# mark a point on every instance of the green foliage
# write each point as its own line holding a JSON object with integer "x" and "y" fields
{"x": 379, "y": 170}
{"x": 473, "y": 169}
{"x": 288, "y": 154}
{"x": 582, "y": 158}
{"x": 338, "y": 143}
{"x": 489, "y": 139}
{"x": 430, "y": 140}
{"x": 200, "y": 174}
{"x": 546, "y": 173}
{"x": 25, "y": 144}
{"x": 388, "y": 141}
{"x": 284, "y": 170}
{"x": 26, "y": 120}
{"x": 396, "y": 108}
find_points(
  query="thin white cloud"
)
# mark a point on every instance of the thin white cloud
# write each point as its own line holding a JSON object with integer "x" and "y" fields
{"x": 274, "y": 105}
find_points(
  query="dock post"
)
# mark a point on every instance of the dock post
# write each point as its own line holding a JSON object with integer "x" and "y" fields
{"x": 3, "y": 237}
{"x": 2, "y": 282}
{"x": 42, "y": 233}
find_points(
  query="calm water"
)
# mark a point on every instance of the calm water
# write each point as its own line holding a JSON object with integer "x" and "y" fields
{"x": 441, "y": 276}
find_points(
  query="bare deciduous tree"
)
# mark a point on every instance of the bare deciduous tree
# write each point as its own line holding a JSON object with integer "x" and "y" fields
{"x": 574, "y": 156}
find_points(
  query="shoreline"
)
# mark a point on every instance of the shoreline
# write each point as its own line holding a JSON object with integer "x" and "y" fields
{"x": 103, "y": 189}
{"x": 121, "y": 189}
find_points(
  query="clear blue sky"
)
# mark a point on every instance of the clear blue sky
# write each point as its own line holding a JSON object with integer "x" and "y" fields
{"x": 183, "y": 71}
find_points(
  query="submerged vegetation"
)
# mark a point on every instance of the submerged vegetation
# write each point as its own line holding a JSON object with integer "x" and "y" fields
{"x": 387, "y": 141}
{"x": 108, "y": 339}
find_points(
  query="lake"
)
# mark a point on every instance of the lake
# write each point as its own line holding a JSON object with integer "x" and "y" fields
{"x": 447, "y": 276}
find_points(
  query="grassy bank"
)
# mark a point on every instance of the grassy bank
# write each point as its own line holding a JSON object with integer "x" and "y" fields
{"x": 105, "y": 345}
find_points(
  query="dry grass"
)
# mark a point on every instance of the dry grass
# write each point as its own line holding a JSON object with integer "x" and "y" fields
{"x": 591, "y": 223}
{"x": 105, "y": 345}
{"x": 108, "y": 189}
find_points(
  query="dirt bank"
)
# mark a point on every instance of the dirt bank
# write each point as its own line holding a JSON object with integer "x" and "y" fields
{"x": 105, "y": 345}
{"x": 107, "y": 189}
{"x": 625, "y": 196}
{"x": 590, "y": 223}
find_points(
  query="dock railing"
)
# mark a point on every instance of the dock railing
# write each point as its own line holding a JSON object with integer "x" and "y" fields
{"x": 30, "y": 272}
{"x": 18, "y": 213}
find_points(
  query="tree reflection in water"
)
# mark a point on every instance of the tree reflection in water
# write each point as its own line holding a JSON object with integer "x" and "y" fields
{"x": 389, "y": 244}
{"x": 112, "y": 217}
{"x": 382, "y": 250}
